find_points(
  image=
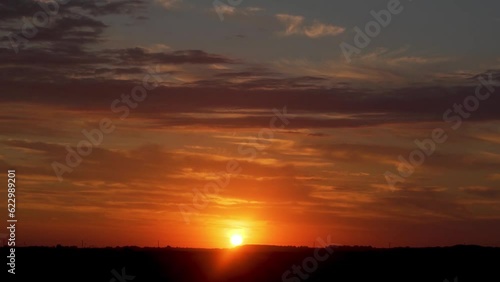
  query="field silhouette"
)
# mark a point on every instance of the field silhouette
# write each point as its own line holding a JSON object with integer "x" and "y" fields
{"x": 256, "y": 263}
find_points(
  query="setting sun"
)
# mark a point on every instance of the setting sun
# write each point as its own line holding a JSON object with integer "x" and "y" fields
{"x": 236, "y": 240}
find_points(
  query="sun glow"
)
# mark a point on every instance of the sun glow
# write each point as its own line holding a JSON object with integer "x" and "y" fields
{"x": 236, "y": 240}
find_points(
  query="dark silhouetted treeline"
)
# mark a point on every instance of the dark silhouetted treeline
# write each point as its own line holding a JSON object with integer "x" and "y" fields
{"x": 256, "y": 264}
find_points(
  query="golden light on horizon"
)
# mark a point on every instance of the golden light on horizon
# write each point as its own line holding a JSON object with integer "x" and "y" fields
{"x": 236, "y": 240}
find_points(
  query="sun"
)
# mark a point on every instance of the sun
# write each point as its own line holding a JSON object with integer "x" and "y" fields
{"x": 236, "y": 240}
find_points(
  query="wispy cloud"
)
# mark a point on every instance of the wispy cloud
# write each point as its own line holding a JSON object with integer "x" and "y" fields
{"x": 295, "y": 25}
{"x": 235, "y": 10}
{"x": 318, "y": 29}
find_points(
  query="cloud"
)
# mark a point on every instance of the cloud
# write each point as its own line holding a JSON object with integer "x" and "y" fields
{"x": 318, "y": 29}
{"x": 295, "y": 25}
{"x": 65, "y": 32}
{"x": 395, "y": 67}
{"x": 27, "y": 8}
{"x": 67, "y": 63}
{"x": 418, "y": 60}
{"x": 237, "y": 87}
{"x": 253, "y": 9}
{"x": 482, "y": 191}
{"x": 169, "y": 4}
{"x": 76, "y": 24}
{"x": 228, "y": 10}
{"x": 134, "y": 55}
{"x": 157, "y": 48}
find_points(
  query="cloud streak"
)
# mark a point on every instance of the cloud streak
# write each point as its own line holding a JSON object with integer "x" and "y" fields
{"x": 295, "y": 25}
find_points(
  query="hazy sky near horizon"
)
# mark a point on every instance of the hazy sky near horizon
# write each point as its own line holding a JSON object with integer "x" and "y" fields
{"x": 214, "y": 85}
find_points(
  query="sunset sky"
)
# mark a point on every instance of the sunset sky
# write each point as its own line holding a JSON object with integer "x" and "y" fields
{"x": 261, "y": 88}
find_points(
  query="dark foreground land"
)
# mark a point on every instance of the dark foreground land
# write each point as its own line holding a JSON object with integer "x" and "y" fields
{"x": 255, "y": 263}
